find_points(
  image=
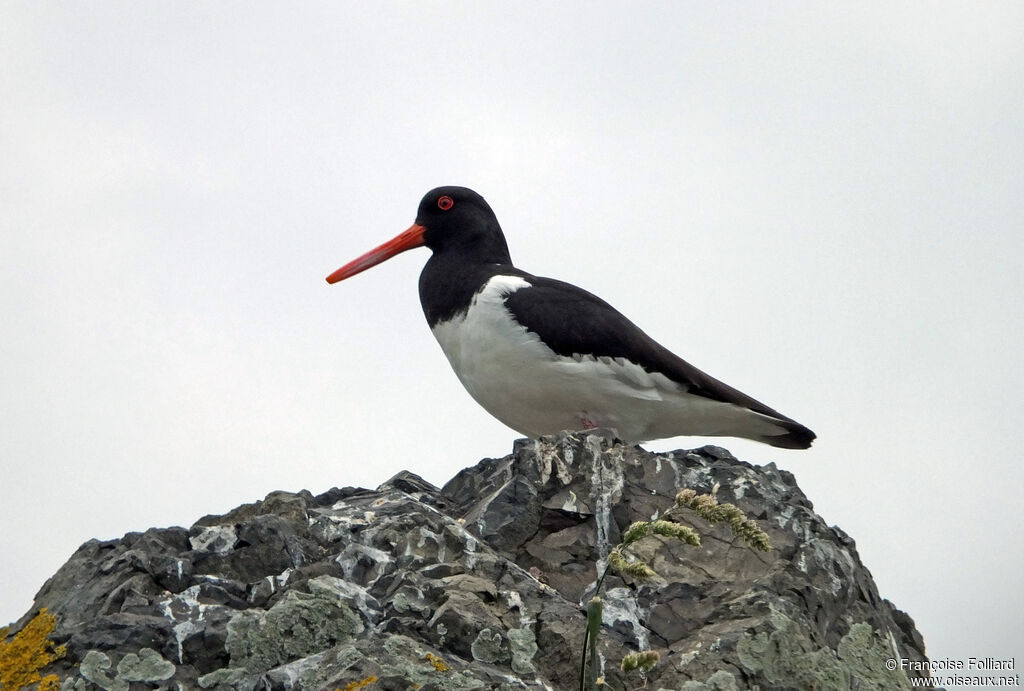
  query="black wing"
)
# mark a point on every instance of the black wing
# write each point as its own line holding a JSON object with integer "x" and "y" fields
{"x": 572, "y": 321}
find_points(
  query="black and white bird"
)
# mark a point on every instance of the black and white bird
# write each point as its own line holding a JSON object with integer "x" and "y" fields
{"x": 544, "y": 356}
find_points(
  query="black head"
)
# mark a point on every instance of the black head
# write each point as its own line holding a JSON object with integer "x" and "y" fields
{"x": 457, "y": 219}
{"x": 455, "y": 222}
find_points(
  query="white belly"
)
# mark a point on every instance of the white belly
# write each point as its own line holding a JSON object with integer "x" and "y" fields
{"x": 526, "y": 385}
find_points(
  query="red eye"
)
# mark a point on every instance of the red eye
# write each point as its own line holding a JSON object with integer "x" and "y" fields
{"x": 445, "y": 203}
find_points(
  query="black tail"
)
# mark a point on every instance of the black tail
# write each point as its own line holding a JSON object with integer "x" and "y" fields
{"x": 796, "y": 436}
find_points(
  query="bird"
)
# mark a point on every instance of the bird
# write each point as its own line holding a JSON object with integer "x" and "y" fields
{"x": 543, "y": 356}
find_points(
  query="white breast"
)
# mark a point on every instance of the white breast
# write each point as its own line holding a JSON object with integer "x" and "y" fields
{"x": 523, "y": 383}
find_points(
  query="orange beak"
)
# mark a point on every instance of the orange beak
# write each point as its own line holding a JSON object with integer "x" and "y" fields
{"x": 413, "y": 237}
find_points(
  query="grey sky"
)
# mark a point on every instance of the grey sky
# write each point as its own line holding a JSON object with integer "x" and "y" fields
{"x": 821, "y": 206}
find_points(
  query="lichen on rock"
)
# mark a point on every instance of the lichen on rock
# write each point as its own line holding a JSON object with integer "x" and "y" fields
{"x": 786, "y": 657}
{"x": 28, "y": 652}
{"x": 299, "y": 624}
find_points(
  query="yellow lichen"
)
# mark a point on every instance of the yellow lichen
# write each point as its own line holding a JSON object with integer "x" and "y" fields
{"x": 28, "y": 652}
{"x": 439, "y": 664}
{"x": 353, "y": 685}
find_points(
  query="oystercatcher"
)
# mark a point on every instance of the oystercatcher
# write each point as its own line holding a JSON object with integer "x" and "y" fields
{"x": 544, "y": 356}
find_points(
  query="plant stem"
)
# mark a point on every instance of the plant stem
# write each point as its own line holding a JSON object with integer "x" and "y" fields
{"x": 593, "y": 628}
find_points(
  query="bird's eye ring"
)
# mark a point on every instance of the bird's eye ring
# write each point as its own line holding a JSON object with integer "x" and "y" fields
{"x": 445, "y": 203}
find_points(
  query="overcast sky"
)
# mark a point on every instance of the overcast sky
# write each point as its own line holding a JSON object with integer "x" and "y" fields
{"x": 821, "y": 206}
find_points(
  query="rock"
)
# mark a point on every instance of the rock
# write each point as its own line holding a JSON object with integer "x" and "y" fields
{"x": 482, "y": 584}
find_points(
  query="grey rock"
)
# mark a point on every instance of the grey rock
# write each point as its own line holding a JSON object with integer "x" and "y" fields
{"x": 482, "y": 584}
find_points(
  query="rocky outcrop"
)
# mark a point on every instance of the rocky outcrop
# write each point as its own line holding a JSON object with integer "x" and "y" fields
{"x": 482, "y": 584}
